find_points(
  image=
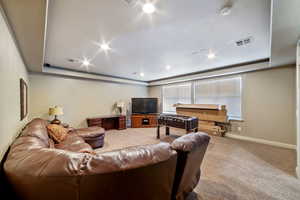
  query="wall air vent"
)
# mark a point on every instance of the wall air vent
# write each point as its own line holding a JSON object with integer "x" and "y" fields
{"x": 244, "y": 42}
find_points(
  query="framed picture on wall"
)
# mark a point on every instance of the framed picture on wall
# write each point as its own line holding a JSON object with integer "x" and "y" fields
{"x": 23, "y": 98}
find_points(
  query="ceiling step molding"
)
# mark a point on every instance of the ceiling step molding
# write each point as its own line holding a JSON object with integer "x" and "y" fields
{"x": 214, "y": 73}
{"x": 225, "y": 71}
{"x": 82, "y": 75}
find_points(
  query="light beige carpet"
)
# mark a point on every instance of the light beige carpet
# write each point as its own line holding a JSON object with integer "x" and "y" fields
{"x": 231, "y": 170}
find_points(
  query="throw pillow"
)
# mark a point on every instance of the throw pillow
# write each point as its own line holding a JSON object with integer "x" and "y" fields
{"x": 57, "y": 132}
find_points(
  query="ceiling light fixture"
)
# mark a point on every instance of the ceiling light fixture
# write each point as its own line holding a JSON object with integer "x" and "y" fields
{"x": 105, "y": 47}
{"x": 149, "y": 8}
{"x": 211, "y": 55}
{"x": 168, "y": 67}
{"x": 85, "y": 62}
{"x": 142, "y": 74}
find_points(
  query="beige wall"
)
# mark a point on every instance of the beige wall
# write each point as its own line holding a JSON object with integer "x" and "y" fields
{"x": 11, "y": 70}
{"x": 27, "y": 19}
{"x": 79, "y": 98}
{"x": 268, "y": 105}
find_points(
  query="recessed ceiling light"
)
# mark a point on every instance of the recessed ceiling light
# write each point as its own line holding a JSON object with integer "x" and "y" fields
{"x": 85, "y": 62}
{"x": 105, "y": 47}
{"x": 168, "y": 67}
{"x": 142, "y": 74}
{"x": 211, "y": 55}
{"x": 149, "y": 8}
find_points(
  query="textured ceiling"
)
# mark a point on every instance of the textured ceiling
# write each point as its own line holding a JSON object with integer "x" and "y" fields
{"x": 179, "y": 34}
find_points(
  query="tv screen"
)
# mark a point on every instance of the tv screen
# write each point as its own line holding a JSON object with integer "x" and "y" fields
{"x": 144, "y": 105}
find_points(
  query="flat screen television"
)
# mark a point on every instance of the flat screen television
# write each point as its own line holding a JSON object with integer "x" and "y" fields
{"x": 144, "y": 105}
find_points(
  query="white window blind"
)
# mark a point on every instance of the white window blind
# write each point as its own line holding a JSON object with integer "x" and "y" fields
{"x": 220, "y": 91}
{"x": 179, "y": 93}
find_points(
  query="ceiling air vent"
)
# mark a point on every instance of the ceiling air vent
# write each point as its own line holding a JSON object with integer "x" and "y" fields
{"x": 244, "y": 42}
{"x": 130, "y": 2}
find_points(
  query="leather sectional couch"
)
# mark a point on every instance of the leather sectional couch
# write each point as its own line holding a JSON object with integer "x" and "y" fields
{"x": 35, "y": 169}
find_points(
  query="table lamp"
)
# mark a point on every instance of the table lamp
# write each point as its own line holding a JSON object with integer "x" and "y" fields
{"x": 56, "y": 111}
{"x": 120, "y": 106}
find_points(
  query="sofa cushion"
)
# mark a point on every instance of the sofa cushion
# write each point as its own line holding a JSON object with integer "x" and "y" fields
{"x": 57, "y": 132}
{"x": 90, "y": 132}
{"x": 94, "y": 136}
{"x": 75, "y": 143}
{"x": 130, "y": 158}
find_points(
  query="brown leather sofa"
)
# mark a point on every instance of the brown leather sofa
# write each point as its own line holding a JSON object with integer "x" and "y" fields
{"x": 35, "y": 169}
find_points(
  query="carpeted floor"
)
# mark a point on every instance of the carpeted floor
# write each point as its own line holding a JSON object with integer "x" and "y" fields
{"x": 231, "y": 170}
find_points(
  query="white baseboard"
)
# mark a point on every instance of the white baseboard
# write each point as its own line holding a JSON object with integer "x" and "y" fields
{"x": 298, "y": 171}
{"x": 261, "y": 141}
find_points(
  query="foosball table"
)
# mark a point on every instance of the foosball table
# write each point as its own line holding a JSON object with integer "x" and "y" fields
{"x": 177, "y": 121}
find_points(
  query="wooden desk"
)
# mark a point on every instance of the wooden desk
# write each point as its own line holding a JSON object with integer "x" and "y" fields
{"x": 108, "y": 122}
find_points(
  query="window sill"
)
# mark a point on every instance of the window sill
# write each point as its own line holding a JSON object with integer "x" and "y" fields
{"x": 235, "y": 119}
{"x": 168, "y": 113}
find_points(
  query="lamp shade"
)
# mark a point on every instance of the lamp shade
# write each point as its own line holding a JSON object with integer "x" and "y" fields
{"x": 56, "y": 111}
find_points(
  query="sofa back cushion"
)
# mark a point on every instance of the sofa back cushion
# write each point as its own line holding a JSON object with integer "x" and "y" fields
{"x": 42, "y": 173}
{"x": 37, "y": 128}
{"x": 142, "y": 172}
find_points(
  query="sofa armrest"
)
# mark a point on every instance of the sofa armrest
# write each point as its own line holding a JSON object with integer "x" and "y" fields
{"x": 189, "y": 142}
{"x": 191, "y": 149}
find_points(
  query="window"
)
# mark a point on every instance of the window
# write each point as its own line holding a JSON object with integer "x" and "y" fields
{"x": 220, "y": 91}
{"x": 179, "y": 93}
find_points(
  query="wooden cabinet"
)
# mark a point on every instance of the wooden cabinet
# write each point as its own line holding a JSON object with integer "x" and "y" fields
{"x": 122, "y": 123}
{"x": 143, "y": 121}
{"x": 108, "y": 122}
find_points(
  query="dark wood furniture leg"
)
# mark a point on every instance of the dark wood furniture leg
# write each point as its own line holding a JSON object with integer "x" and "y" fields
{"x": 158, "y": 132}
{"x": 187, "y": 131}
{"x": 167, "y": 130}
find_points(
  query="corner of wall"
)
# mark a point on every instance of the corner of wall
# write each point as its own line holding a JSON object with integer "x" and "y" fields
{"x": 10, "y": 74}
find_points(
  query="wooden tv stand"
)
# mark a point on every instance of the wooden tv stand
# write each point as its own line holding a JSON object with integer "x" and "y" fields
{"x": 144, "y": 120}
